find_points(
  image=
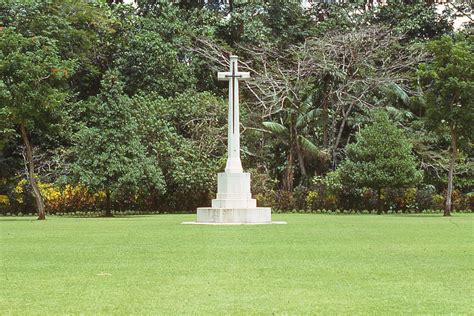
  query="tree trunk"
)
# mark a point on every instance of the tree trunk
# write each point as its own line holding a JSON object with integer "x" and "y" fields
{"x": 300, "y": 156}
{"x": 301, "y": 161}
{"x": 332, "y": 137}
{"x": 379, "y": 201}
{"x": 108, "y": 206}
{"x": 452, "y": 162}
{"x": 288, "y": 177}
{"x": 325, "y": 118}
{"x": 31, "y": 178}
{"x": 293, "y": 139}
{"x": 339, "y": 134}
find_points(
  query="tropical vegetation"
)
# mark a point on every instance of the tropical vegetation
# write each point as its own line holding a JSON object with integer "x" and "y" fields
{"x": 108, "y": 107}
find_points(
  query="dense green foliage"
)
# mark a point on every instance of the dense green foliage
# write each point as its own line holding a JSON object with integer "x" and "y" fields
{"x": 381, "y": 158}
{"x": 449, "y": 86}
{"x": 84, "y": 31}
{"x": 120, "y": 105}
{"x": 316, "y": 264}
{"x": 32, "y": 85}
{"x": 413, "y": 21}
{"x": 32, "y": 80}
{"x": 449, "y": 102}
{"x": 108, "y": 154}
{"x": 151, "y": 58}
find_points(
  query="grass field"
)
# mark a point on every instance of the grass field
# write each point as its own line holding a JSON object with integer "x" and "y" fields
{"x": 316, "y": 264}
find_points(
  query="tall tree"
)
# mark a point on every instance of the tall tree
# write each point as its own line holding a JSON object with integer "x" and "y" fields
{"x": 108, "y": 154}
{"x": 186, "y": 136}
{"x": 381, "y": 158}
{"x": 32, "y": 85}
{"x": 414, "y": 20}
{"x": 448, "y": 83}
{"x": 82, "y": 30}
{"x": 152, "y": 58}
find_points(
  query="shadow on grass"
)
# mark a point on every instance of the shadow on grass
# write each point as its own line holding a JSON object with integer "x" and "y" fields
{"x": 429, "y": 215}
{"x": 17, "y": 219}
{"x": 33, "y": 219}
{"x": 414, "y": 215}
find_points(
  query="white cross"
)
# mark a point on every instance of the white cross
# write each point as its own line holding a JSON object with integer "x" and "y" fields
{"x": 233, "y": 141}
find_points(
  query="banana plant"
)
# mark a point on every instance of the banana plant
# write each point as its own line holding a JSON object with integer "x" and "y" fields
{"x": 294, "y": 129}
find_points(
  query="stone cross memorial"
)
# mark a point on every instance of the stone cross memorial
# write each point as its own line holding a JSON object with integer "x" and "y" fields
{"x": 234, "y": 203}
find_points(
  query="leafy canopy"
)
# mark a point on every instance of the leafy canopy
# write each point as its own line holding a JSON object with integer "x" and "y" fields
{"x": 32, "y": 80}
{"x": 380, "y": 158}
{"x": 108, "y": 154}
{"x": 84, "y": 31}
{"x": 448, "y": 83}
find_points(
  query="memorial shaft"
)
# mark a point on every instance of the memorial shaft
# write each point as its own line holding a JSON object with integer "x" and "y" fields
{"x": 234, "y": 164}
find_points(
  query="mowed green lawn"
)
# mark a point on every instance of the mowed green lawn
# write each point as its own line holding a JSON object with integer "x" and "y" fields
{"x": 316, "y": 264}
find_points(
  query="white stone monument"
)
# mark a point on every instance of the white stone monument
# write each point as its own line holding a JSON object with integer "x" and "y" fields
{"x": 234, "y": 203}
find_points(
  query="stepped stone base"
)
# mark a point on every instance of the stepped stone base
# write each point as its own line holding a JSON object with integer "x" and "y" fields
{"x": 257, "y": 215}
{"x": 234, "y": 204}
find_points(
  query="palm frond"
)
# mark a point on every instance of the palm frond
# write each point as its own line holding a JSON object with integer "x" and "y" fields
{"x": 275, "y": 127}
{"x": 398, "y": 114}
{"x": 307, "y": 145}
{"x": 399, "y": 92}
{"x": 306, "y": 118}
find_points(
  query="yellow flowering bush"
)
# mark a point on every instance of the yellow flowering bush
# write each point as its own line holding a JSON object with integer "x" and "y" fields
{"x": 49, "y": 192}
{"x": 404, "y": 198}
{"x": 77, "y": 197}
{"x": 438, "y": 199}
{"x": 19, "y": 189}
{"x": 4, "y": 200}
{"x": 410, "y": 196}
{"x": 311, "y": 199}
{"x": 57, "y": 199}
{"x": 331, "y": 201}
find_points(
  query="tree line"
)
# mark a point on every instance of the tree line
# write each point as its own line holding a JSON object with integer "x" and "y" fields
{"x": 105, "y": 106}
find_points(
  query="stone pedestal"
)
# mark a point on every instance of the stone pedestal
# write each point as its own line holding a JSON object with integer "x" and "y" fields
{"x": 257, "y": 215}
{"x": 234, "y": 203}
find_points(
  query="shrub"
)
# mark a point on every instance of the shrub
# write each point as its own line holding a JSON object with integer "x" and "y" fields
{"x": 4, "y": 200}
{"x": 380, "y": 159}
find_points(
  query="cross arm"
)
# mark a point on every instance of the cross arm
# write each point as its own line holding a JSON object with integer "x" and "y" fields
{"x": 244, "y": 75}
{"x": 224, "y": 76}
